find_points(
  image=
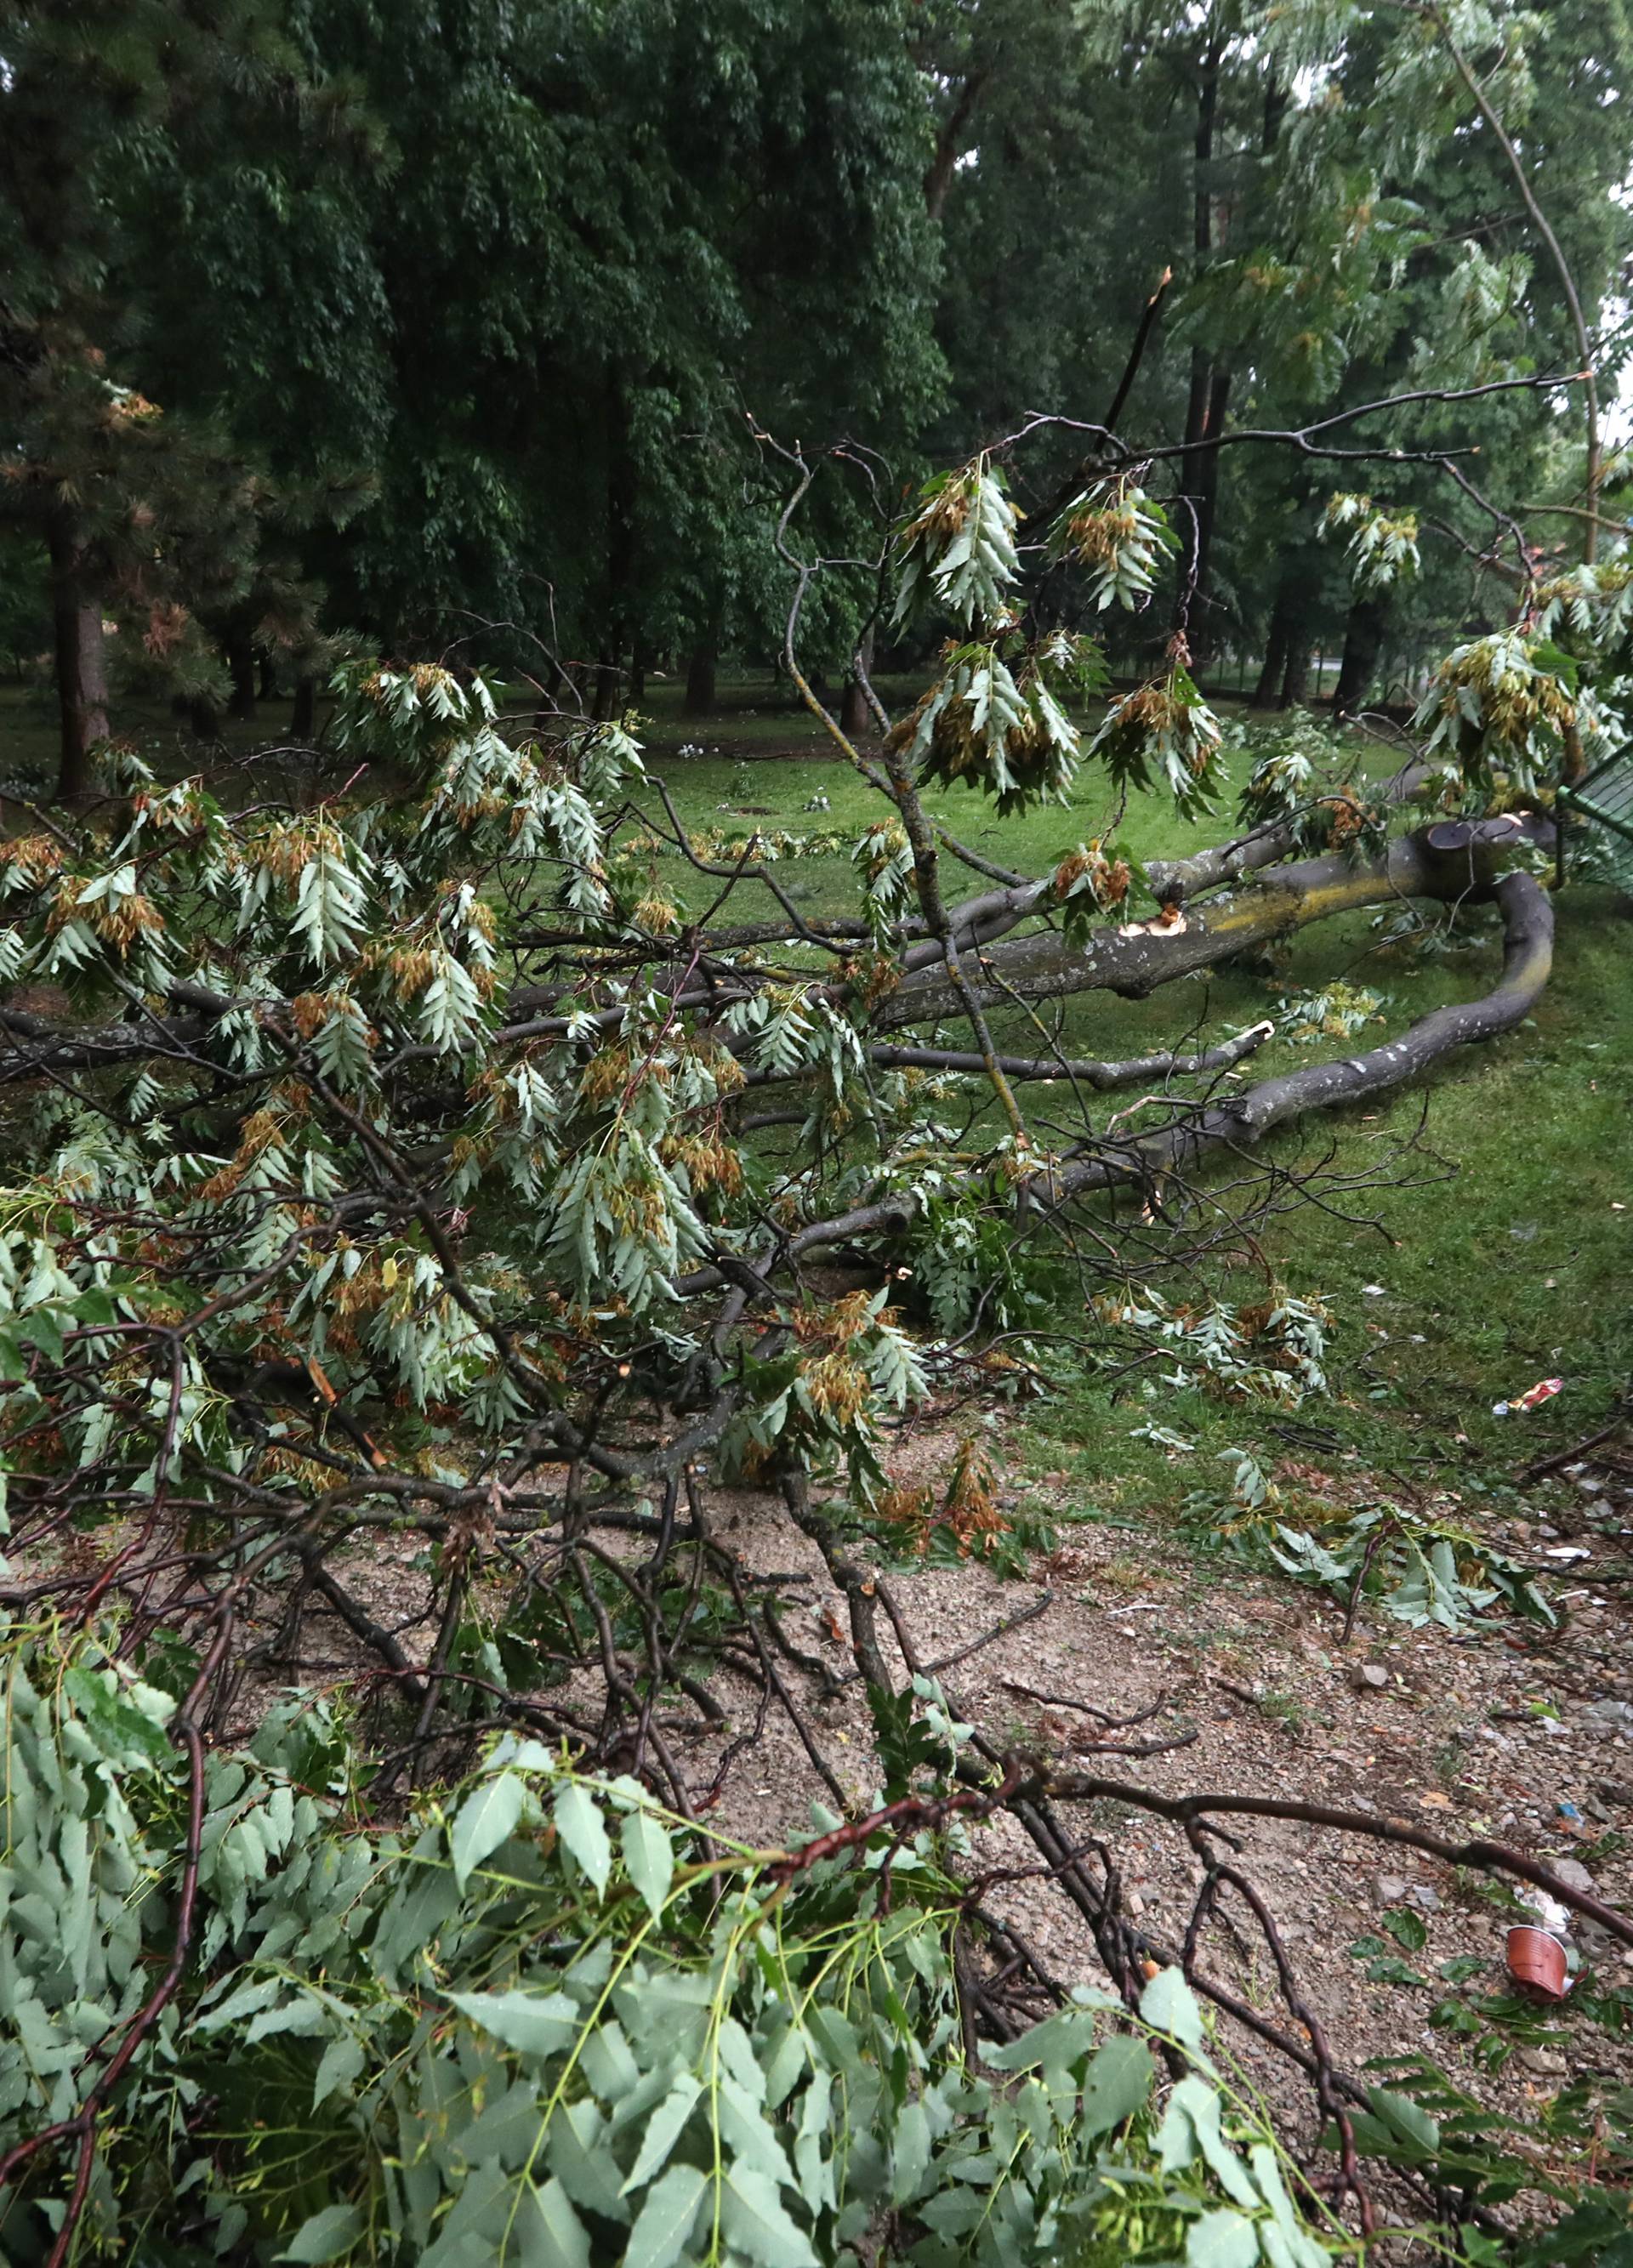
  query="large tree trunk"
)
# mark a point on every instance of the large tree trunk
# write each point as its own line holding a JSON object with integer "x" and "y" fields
{"x": 703, "y": 667}
{"x": 1296, "y": 678}
{"x": 1276, "y": 652}
{"x": 605, "y": 701}
{"x": 1363, "y": 639}
{"x": 1191, "y": 600}
{"x": 81, "y": 664}
{"x": 1203, "y": 630}
{"x": 241, "y": 660}
{"x": 1527, "y": 959}
{"x": 950, "y": 142}
{"x": 1136, "y": 960}
{"x": 610, "y": 679}
{"x": 303, "y": 724}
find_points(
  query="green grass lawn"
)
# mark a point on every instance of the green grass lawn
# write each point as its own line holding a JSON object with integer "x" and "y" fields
{"x": 1501, "y": 1257}
{"x": 1511, "y": 1264}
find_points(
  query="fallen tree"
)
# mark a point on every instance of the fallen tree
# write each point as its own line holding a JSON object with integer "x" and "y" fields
{"x": 423, "y": 1162}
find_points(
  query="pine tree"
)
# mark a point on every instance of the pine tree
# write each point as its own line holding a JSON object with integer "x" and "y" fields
{"x": 147, "y": 514}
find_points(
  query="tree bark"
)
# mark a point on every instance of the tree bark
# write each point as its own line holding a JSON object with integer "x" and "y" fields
{"x": 1296, "y": 678}
{"x": 1527, "y": 959}
{"x": 1135, "y": 960}
{"x": 1191, "y": 599}
{"x": 703, "y": 667}
{"x": 856, "y": 717}
{"x": 268, "y": 677}
{"x": 621, "y": 489}
{"x": 1276, "y": 652}
{"x": 949, "y": 144}
{"x": 241, "y": 660}
{"x": 1201, "y": 636}
{"x": 605, "y": 703}
{"x": 1363, "y": 639}
{"x": 81, "y": 663}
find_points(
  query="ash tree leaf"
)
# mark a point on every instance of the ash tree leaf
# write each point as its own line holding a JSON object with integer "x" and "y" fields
{"x": 1193, "y": 2122}
{"x": 550, "y": 2233}
{"x": 756, "y": 2222}
{"x": 576, "y": 2141}
{"x": 326, "y": 2235}
{"x": 746, "y": 2133}
{"x": 1168, "y": 2005}
{"x": 1115, "y": 2084}
{"x": 650, "y": 1858}
{"x": 911, "y": 2153}
{"x": 579, "y": 1823}
{"x": 665, "y": 2221}
{"x": 1223, "y": 2238}
{"x": 487, "y": 1817}
{"x": 534, "y": 2023}
{"x": 343, "y": 2060}
{"x": 663, "y": 2130}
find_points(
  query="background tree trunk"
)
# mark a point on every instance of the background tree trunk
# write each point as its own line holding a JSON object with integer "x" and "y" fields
{"x": 1191, "y": 598}
{"x": 1276, "y": 652}
{"x": 621, "y": 500}
{"x": 1295, "y": 679}
{"x": 241, "y": 660}
{"x": 702, "y": 668}
{"x": 1363, "y": 638}
{"x": 81, "y": 664}
{"x": 303, "y": 724}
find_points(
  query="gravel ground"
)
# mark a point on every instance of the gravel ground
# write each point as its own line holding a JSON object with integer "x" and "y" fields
{"x": 1488, "y": 1734}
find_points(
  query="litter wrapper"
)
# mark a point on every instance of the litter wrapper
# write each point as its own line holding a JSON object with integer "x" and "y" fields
{"x": 1532, "y": 1398}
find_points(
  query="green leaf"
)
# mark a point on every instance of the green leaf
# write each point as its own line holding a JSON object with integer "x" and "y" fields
{"x": 1115, "y": 2085}
{"x": 343, "y": 2060}
{"x": 327, "y": 2236}
{"x": 663, "y": 2130}
{"x": 1221, "y": 2240}
{"x": 43, "y": 1328}
{"x": 1194, "y": 2102}
{"x": 487, "y": 1817}
{"x": 659, "y": 2234}
{"x": 1168, "y": 2005}
{"x": 650, "y": 1858}
{"x": 1406, "y": 1929}
{"x": 1405, "y": 2116}
{"x": 550, "y": 2233}
{"x": 579, "y": 1825}
{"x": 756, "y": 2223}
{"x": 534, "y": 2023}
{"x": 1058, "y": 2041}
{"x": 747, "y": 2135}
{"x": 911, "y": 2155}
{"x": 576, "y": 2141}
